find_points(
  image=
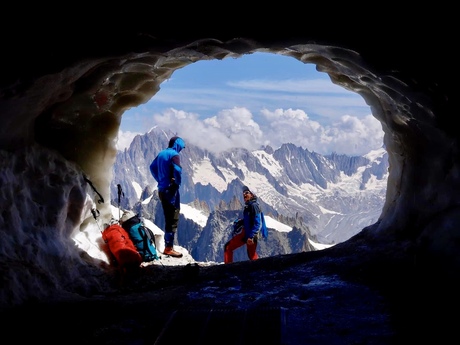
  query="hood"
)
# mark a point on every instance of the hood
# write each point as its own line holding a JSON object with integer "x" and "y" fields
{"x": 177, "y": 143}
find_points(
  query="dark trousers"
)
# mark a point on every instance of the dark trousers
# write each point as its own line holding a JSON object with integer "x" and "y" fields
{"x": 171, "y": 214}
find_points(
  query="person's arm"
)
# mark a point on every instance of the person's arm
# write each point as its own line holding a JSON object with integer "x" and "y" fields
{"x": 177, "y": 170}
{"x": 154, "y": 169}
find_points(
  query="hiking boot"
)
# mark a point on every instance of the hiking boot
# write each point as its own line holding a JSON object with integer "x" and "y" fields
{"x": 171, "y": 252}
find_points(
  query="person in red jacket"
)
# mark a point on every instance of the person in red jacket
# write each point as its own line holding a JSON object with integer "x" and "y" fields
{"x": 250, "y": 230}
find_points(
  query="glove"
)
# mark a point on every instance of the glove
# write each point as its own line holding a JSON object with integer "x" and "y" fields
{"x": 237, "y": 225}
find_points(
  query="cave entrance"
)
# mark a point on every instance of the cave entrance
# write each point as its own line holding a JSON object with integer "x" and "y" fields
{"x": 269, "y": 99}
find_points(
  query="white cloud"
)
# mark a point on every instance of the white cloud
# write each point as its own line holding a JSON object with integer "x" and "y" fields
{"x": 257, "y": 100}
{"x": 124, "y": 139}
{"x": 238, "y": 127}
{"x": 228, "y": 129}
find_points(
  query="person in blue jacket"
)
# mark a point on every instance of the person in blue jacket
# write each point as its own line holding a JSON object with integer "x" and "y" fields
{"x": 167, "y": 171}
{"x": 250, "y": 231}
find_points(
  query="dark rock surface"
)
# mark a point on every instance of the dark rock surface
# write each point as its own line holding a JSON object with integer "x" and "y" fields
{"x": 332, "y": 296}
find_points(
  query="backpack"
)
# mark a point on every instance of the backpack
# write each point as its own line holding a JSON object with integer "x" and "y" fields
{"x": 264, "y": 229}
{"x": 142, "y": 237}
{"x": 121, "y": 246}
{"x": 238, "y": 225}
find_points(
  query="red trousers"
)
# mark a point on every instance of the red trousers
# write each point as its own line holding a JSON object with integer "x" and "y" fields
{"x": 234, "y": 243}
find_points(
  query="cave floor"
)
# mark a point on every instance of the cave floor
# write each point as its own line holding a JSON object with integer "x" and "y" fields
{"x": 323, "y": 297}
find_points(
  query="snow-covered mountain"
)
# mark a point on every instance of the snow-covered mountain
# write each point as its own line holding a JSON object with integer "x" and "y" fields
{"x": 327, "y": 198}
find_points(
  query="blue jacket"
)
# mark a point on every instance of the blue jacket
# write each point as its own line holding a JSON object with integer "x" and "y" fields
{"x": 251, "y": 218}
{"x": 166, "y": 168}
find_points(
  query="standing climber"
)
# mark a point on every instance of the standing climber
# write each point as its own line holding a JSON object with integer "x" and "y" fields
{"x": 167, "y": 171}
{"x": 250, "y": 230}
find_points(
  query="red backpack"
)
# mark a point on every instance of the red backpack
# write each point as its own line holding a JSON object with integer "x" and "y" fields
{"x": 121, "y": 246}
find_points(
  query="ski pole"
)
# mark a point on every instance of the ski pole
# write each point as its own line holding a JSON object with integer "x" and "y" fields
{"x": 120, "y": 192}
{"x": 96, "y": 213}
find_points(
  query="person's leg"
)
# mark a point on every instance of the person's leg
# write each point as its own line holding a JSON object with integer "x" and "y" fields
{"x": 171, "y": 222}
{"x": 234, "y": 243}
{"x": 252, "y": 250}
{"x": 169, "y": 211}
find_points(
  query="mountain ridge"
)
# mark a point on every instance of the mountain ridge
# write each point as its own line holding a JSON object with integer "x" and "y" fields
{"x": 327, "y": 197}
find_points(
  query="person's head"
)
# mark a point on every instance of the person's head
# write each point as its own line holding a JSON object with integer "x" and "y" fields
{"x": 177, "y": 143}
{"x": 247, "y": 194}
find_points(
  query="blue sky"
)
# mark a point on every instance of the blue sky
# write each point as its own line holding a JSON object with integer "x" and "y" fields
{"x": 258, "y": 99}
